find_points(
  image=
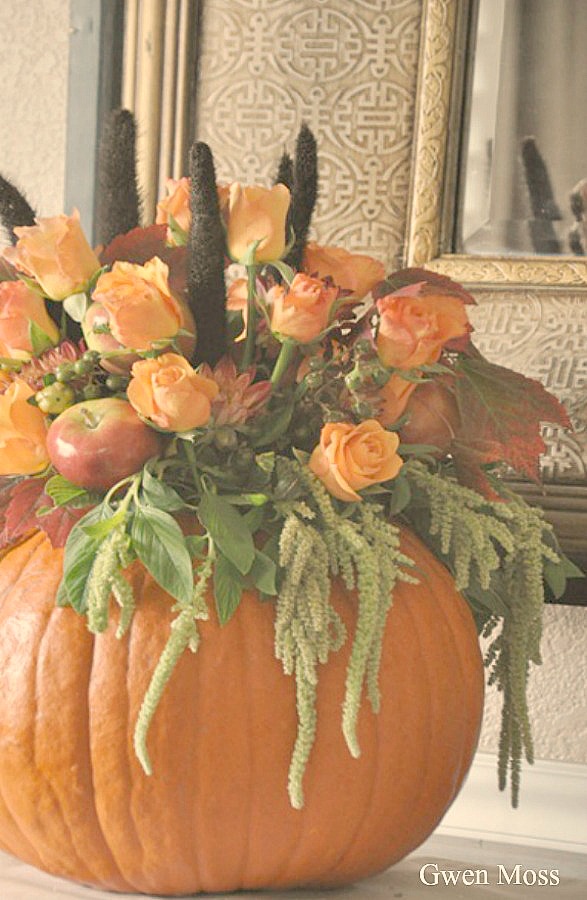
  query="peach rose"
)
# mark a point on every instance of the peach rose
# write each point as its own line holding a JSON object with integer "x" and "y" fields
{"x": 141, "y": 308}
{"x": 302, "y": 311}
{"x": 56, "y": 254}
{"x": 20, "y": 308}
{"x": 394, "y": 395}
{"x": 169, "y": 392}
{"x": 23, "y": 432}
{"x": 350, "y": 271}
{"x": 257, "y": 214}
{"x": 175, "y": 204}
{"x": 352, "y": 457}
{"x": 413, "y": 329}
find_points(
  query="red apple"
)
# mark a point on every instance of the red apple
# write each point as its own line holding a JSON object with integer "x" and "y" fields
{"x": 96, "y": 443}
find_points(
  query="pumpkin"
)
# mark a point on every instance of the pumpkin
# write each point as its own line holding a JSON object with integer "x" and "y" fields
{"x": 215, "y": 815}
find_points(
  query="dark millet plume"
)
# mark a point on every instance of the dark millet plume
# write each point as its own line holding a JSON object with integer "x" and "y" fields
{"x": 117, "y": 200}
{"x": 206, "y": 286}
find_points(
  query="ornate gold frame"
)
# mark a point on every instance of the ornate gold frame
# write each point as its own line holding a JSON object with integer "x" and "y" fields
{"x": 439, "y": 102}
{"x": 436, "y": 127}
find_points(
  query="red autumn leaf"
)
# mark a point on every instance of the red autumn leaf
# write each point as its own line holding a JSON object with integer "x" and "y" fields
{"x": 142, "y": 244}
{"x": 20, "y": 504}
{"x": 20, "y": 516}
{"x": 501, "y": 414}
{"x": 58, "y": 523}
{"x": 425, "y": 282}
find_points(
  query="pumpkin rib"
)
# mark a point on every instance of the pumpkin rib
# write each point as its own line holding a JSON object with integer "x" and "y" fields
{"x": 81, "y": 863}
{"x": 250, "y": 797}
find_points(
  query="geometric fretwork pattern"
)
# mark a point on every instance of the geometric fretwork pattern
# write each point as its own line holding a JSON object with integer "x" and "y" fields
{"x": 544, "y": 336}
{"x": 346, "y": 67}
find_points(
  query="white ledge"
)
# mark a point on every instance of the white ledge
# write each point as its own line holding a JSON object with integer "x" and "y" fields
{"x": 552, "y": 812}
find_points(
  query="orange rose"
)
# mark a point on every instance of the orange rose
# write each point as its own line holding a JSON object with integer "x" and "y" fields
{"x": 56, "y": 254}
{"x": 352, "y": 457}
{"x": 169, "y": 392}
{"x": 176, "y": 204}
{"x": 394, "y": 395}
{"x": 20, "y": 308}
{"x": 257, "y": 214}
{"x": 302, "y": 311}
{"x": 23, "y": 432}
{"x": 141, "y": 308}
{"x": 350, "y": 271}
{"x": 413, "y": 329}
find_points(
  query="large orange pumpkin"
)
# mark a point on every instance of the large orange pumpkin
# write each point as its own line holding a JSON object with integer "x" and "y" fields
{"x": 215, "y": 815}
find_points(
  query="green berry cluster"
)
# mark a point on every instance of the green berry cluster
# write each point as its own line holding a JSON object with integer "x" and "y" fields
{"x": 72, "y": 382}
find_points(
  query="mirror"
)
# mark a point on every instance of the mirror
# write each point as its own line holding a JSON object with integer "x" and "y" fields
{"x": 532, "y": 307}
{"x": 523, "y": 172}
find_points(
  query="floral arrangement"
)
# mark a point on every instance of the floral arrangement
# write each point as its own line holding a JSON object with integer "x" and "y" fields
{"x": 236, "y": 406}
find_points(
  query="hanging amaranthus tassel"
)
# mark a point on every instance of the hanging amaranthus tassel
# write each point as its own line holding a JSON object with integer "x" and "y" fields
{"x": 206, "y": 286}
{"x": 304, "y": 194}
{"x": 118, "y": 201}
{"x": 14, "y": 209}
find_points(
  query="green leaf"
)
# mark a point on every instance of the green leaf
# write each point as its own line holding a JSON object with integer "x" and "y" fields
{"x": 284, "y": 270}
{"x": 40, "y": 341}
{"x": 179, "y": 235}
{"x": 75, "y": 306}
{"x": 264, "y": 573}
{"x": 228, "y": 588}
{"x": 80, "y": 552}
{"x": 271, "y": 426}
{"x": 160, "y": 544}
{"x": 159, "y": 494}
{"x": 99, "y": 530}
{"x": 557, "y": 574}
{"x": 197, "y": 545}
{"x": 63, "y": 491}
{"x": 254, "y": 518}
{"x": 401, "y": 496}
{"x": 229, "y": 531}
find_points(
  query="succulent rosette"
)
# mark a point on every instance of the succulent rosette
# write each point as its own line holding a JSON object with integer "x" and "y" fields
{"x": 329, "y": 402}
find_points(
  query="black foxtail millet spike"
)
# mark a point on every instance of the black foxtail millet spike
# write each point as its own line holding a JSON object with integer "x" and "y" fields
{"x": 304, "y": 193}
{"x": 206, "y": 253}
{"x": 14, "y": 209}
{"x": 118, "y": 202}
{"x": 285, "y": 171}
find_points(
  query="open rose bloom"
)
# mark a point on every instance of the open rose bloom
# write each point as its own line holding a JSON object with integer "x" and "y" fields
{"x": 23, "y": 432}
{"x": 169, "y": 393}
{"x": 56, "y": 254}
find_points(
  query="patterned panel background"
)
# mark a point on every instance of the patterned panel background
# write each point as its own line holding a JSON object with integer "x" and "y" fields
{"x": 347, "y": 68}
{"x": 543, "y": 334}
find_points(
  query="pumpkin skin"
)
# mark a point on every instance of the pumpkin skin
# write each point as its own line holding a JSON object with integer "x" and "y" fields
{"x": 215, "y": 815}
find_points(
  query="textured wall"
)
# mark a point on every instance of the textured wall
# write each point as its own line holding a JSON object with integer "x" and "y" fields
{"x": 348, "y": 68}
{"x": 33, "y": 100}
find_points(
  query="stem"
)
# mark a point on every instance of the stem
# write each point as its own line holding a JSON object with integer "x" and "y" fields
{"x": 286, "y": 354}
{"x": 249, "y": 354}
{"x": 190, "y": 455}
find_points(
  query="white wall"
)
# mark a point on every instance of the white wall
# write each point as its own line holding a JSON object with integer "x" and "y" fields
{"x": 34, "y": 39}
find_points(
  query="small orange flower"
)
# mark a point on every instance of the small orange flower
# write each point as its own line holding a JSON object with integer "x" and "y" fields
{"x": 414, "y": 328}
{"x": 301, "y": 312}
{"x": 19, "y": 309}
{"x": 141, "y": 308}
{"x": 56, "y": 254}
{"x": 350, "y": 271}
{"x": 352, "y": 457}
{"x": 257, "y": 214}
{"x": 169, "y": 392}
{"x": 23, "y": 432}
